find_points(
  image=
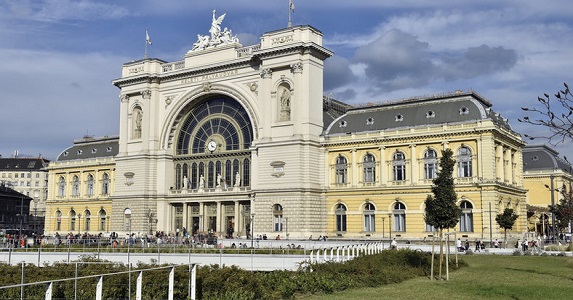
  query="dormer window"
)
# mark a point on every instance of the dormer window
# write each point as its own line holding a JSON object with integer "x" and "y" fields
{"x": 399, "y": 118}
{"x": 430, "y": 114}
{"x": 79, "y": 152}
{"x": 464, "y": 110}
{"x": 342, "y": 123}
{"x": 108, "y": 149}
{"x": 66, "y": 153}
{"x": 369, "y": 121}
{"x": 94, "y": 150}
{"x": 536, "y": 158}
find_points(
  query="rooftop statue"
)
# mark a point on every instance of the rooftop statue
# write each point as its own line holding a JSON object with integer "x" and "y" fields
{"x": 217, "y": 36}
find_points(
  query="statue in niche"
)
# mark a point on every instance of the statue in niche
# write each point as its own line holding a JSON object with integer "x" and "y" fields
{"x": 201, "y": 182}
{"x": 237, "y": 179}
{"x": 219, "y": 179}
{"x": 284, "y": 101}
{"x": 137, "y": 124}
{"x": 185, "y": 180}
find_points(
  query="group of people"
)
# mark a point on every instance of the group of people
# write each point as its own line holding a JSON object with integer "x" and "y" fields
{"x": 464, "y": 247}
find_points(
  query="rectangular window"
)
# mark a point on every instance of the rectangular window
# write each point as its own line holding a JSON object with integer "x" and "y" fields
{"x": 465, "y": 169}
{"x": 399, "y": 172}
{"x": 369, "y": 223}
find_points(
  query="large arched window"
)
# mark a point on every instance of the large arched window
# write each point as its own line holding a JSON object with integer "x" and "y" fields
{"x": 90, "y": 185}
{"x": 58, "y": 220}
{"x": 369, "y": 217}
{"x": 341, "y": 169}
{"x": 340, "y": 218}
{"x": 467, "y": 218}
{"x": 464, "y": 162}
{"x": 76, "y": 186}
{"x": 105, "y": 184}
{"x": 430, "y": 164}
{"x": 399, "y": 166}
{"x": 62, "y": 187}
{"x": 399, "y": 217}
{"x": 72, "y": 220}
{"x": 211, "y": 134}
{"x": 277, "y": 217}
{"x": 102, "y": 219}
{"x": 88, "y": 220}
{"x": 369, "y": 166}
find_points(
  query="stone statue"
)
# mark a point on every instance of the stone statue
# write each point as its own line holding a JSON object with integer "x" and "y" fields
{"x": 137, "y": 121}
{"x": 237, "y": 179}
{"x": 185, "y": 180}
{"x": 219, "y": 179}
{"x": 285, "y": 105}
{"x": 215, "y": 30}
{"x": 216, "y": 37}
{"x": 201, "y": 43}
{"x": 201, "y": 182}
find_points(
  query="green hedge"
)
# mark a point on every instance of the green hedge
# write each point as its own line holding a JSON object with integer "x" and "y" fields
{"x": 214, "y": 282}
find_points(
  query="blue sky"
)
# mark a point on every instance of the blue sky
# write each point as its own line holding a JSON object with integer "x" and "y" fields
{"x": 58, "y": 57}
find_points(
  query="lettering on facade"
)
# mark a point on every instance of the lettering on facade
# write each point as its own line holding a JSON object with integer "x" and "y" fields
{"x": 210, "y": 76}
{"x": 282, "y": 39}
{"x": 135, "y": 70}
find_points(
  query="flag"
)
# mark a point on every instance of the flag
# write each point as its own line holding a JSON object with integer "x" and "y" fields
{"x": 147, "y": 39}
{"x": 291, "y": 6}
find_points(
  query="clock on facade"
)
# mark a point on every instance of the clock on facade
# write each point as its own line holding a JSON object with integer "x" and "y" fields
{"x": 212, "y": 146}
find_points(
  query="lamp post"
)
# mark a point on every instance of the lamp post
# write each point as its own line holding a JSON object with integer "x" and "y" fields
{"x": 21, "y": 218}
{"x": 252, "y": 228}
{"x": 79, "y": 223}
{"x": 383, "y": 222}
{"x": 287, "y": 227}
{"x": 552, "y": 190}
{"x": 36, "y": 200}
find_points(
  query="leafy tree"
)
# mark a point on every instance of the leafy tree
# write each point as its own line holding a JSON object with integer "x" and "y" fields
{"x": 564, "y": 209}
{"x": 441, "y": 209}
{"x": 506, "y": 220}
{"x": 556, "y": 114}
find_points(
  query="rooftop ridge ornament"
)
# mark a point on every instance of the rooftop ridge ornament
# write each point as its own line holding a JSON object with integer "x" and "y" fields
{"x": 217, "y": 36}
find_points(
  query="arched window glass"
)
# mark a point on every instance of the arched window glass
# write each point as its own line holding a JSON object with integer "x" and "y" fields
{"x": 399, "y": 217}
{"x": 369, "y": 168}
{"x": 340, "y": 218}
{"x": 399, "y": 166}
{"x": 246, "y": 172}
{"x": 369, "y": 218}
{"x": 72, "y": 220}
{"x": 76, "y": 186}
{"x": 277, "y": 217}
{"x": 58, "y": 220}
{"x": 430, "y": 164}
{"x": 62, "y": 187}
{"x": 194, "y": 177}
{"x": 105, "y": 184}
{"x": 88, "y": 220}
{"x": 341, "y": 169}
{"x": 467, "y": 218}
{"x": 102, "y": 220}
{"x": 90, "y": 185}
{"x": 464, "y": 162}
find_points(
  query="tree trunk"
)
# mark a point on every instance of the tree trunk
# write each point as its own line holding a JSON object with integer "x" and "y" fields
{"x": 505, "y": 237}
{"x": 441, "y": 253}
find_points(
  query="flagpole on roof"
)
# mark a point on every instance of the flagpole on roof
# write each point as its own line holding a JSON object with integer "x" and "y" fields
{"x": 290, "y": 10}
{"x": 147, "y": 42}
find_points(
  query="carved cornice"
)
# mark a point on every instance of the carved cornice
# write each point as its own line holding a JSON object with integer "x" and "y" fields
{"x": 296, "y": 67}
{"x": 266, "y": 73}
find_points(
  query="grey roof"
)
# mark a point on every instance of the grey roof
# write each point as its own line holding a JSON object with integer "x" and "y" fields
{"x": 454, "y": 107}
{"x": 23, "y": 164}
{"x": 332, "y": 109}
{"x": 90, "y": 147}
{"x": 542, "y": 157}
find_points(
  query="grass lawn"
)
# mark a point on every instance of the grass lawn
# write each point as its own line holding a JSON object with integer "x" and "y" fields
{"x": 486, "y": 277}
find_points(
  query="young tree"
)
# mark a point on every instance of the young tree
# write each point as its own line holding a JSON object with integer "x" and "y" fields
{"x": 563, "y": 210}
{"x": 506, "y": 221}
{"x": 555, "y": 114}
{"x": 441, "y": 209}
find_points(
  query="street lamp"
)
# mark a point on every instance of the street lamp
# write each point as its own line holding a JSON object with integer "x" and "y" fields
{"x": 36, "y": 200}
{"x": 79, "y": 223}
{"x": 252, "y": 228}
{"x": 552, "y": 190}
{"x": 383, "y": 222}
